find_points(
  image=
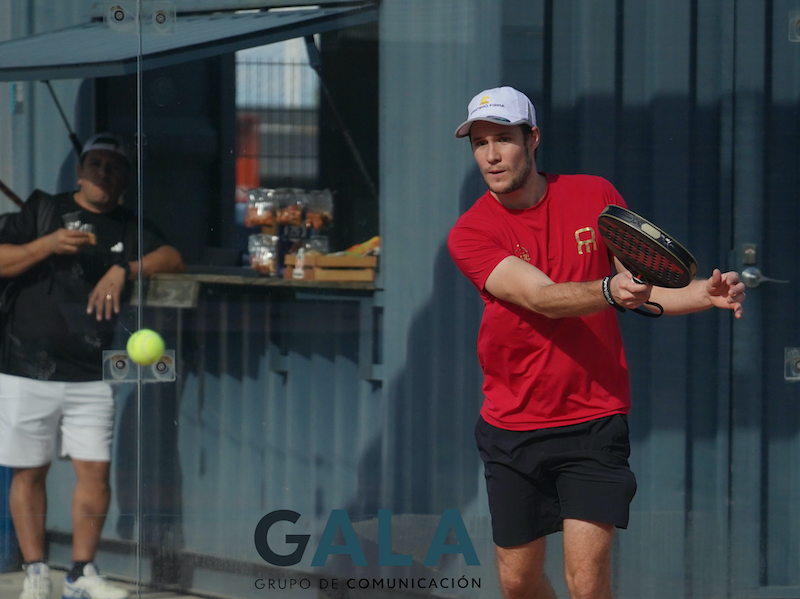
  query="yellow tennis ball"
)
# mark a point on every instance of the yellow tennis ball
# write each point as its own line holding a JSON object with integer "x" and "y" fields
{"x": 145, "y": 347}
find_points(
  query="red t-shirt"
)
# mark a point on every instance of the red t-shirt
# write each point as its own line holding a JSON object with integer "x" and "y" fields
{"x": 541, "y": 372}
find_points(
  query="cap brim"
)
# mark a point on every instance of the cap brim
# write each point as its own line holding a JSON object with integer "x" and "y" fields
{"x": 463, "y": 128}
{"x": 105, "y": 148}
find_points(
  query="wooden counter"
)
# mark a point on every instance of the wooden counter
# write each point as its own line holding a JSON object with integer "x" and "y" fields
{"x": 182, "y": 290}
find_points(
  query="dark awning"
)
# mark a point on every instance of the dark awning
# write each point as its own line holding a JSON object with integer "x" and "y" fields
{"x": 96, "y": 50}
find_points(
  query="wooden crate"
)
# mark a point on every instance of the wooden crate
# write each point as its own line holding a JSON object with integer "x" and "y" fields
{"x": 321, "y": 267}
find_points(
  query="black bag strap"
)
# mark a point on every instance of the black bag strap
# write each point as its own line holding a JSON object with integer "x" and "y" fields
{"x": 45, "y": 216}
{"x": 46, "y": 211}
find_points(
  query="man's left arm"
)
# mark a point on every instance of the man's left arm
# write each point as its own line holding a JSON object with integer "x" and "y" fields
{"x": 721, "y": 290}
{"x": 105, "y": 299}
{"x": 164, "y": 259}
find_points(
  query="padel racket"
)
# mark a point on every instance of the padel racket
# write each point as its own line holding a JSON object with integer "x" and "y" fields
{"x": 652, "y": 256}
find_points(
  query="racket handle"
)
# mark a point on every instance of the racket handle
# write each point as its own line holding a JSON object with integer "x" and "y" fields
{"x": 610, "y": 300}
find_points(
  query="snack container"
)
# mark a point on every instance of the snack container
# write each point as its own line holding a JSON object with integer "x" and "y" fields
{"x": 318, "y": 244}
{"x": 291, "y": 205}
{"x": 263, "y": 250}
{"x": 319, "y": 212}
{"x": 91, "y": 230}
{"x": 261, "y": 208}
{"x": 72, "y": 221}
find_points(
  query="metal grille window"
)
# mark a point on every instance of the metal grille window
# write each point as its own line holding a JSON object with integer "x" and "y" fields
{"x": 277, "y": 101}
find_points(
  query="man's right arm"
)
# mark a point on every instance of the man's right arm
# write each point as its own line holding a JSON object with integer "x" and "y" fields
{"x": 516, "y": 281}
{"x": 18, "y": 259}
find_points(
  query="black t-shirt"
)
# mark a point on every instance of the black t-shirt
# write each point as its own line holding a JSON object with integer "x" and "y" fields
{"x": 48, "y": 335}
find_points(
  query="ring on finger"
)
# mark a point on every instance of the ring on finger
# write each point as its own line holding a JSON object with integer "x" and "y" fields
{"x": 108, "y": 298}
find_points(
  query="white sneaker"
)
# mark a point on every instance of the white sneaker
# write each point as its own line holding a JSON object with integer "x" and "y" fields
{"x": 37, "y": 584}
{"x": 92, "y": 586}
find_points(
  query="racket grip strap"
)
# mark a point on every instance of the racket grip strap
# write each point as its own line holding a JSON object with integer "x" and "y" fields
{"x": 608, "y": 296}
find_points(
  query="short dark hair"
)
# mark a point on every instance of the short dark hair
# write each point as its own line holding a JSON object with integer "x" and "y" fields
{"x": 526, "y": 133}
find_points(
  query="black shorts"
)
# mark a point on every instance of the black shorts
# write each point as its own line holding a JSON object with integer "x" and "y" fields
{"x": 536, "y": 479}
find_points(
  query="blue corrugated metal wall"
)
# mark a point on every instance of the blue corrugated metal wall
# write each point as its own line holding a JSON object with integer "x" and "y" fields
{"x": 645, "y": 94}
{"x": 281, "y": 404}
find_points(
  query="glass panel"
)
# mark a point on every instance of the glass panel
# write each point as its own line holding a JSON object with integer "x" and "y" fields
{"x": 57, "y": 346}
{"x": 273, "y": 406}
{"x": 765, "y": 398}
{"x": 308, "y": 430}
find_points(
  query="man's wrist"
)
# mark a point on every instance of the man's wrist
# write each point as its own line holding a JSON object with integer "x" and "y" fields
{"x": 126, "y": 266}
{"x": 606, "y": 286}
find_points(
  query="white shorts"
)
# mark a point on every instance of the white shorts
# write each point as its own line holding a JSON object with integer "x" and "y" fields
{"x": 30, "y": 414}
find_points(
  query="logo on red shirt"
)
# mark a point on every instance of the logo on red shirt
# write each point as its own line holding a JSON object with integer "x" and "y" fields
{"x": 586, "y": 241}
{"x": 521, "y": 253}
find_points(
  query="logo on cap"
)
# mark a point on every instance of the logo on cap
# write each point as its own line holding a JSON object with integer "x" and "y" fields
{"x": 499, "y": 105}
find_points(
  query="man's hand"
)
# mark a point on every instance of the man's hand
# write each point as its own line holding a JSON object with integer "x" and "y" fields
{"x": 726, "y": 291}
{"x": 104, "y": 300}
{"x": 65, "y": 241}
{"x": 16, "y": 259}
{"x": 626, "y": 292}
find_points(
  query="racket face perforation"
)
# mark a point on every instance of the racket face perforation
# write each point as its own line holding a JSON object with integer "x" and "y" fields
{"x": 648, "y": 264}
{"x": 657, "y": 260}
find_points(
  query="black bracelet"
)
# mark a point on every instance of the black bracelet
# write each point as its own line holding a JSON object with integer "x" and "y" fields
{"x": 126, "y": 266}
{"x": 608, "y": 296}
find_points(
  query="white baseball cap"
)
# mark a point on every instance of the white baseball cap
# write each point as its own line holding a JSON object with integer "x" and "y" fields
{"x": 501, "y": 105}
{"x": 105, "y": 141}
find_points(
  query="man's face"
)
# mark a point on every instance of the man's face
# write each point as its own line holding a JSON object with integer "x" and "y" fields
{"x": 102, "y": 178}
{"x": 503, "y": 156}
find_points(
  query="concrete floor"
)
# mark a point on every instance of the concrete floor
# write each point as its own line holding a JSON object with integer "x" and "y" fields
{"x": 11, "y": 587}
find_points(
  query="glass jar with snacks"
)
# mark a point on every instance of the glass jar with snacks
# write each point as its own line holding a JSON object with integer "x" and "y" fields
{"x": 317, "y": 244}
{"x": 72, "y": 221}
{"x": 261, "y": 208}
{"x": 263, "y": 250}
{"x": 319, "y": 212}
{"x": 291, "y": 204}
{"x": 91, "y": 231}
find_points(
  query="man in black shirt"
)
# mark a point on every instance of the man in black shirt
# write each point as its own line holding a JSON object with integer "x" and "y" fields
{"x": 68, "y": 259}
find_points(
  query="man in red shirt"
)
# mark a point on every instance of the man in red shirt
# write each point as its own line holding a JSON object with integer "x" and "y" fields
{"x": 553, "y": 430}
